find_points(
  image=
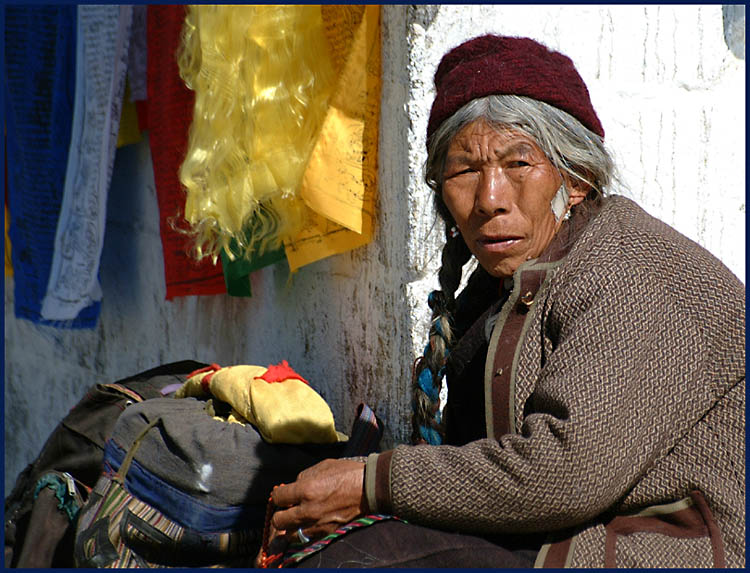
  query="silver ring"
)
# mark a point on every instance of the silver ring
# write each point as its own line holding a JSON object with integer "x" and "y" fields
{"x": 302, "y": 537}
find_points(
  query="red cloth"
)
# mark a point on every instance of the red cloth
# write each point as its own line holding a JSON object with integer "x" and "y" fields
{"x": 495, "y": 65}
{"x": 280, "y": 372}
{"x": 169, "y": 114}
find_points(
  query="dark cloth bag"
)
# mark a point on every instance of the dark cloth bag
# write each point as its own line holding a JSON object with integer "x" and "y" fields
{"x": 43, "y": 509}
{"x": 182, "y": 488}
{"x": 37, "y": 532}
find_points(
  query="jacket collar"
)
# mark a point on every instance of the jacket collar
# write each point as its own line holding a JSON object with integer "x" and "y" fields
{"x": 553, "y": 255}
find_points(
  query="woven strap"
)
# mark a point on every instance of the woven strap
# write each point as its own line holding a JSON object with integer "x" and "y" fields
{"x": 294, "y": 555}
{"x": 125, "y": 466}
{"x": 135, "y": 396}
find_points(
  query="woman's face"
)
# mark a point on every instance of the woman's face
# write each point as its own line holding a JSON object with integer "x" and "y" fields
{"x": 497, "y": 185}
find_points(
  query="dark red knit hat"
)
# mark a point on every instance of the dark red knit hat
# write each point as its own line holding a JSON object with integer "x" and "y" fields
{"x": 491, "y": 64}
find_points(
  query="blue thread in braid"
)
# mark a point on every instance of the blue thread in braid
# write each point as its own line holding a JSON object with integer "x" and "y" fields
{"x": 432, "y": 298}
{"x": 426, "y": 380}
{"x": 430, "y": 435}
{"x": 429, "y": 380}
{"x": 427, "y": 384}
{"x": 426, "y": 419}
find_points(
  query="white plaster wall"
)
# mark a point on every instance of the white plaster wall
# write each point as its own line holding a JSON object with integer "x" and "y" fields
{"x": 667, "y": 89}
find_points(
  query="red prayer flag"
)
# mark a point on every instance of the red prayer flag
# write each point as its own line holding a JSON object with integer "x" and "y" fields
{"x": 169, "y": 114}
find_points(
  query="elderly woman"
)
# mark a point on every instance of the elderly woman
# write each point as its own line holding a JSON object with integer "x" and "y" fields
{"x": 595, "y": 361}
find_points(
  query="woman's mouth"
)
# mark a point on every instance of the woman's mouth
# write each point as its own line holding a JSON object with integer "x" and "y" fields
{"x": 497, "y": 244}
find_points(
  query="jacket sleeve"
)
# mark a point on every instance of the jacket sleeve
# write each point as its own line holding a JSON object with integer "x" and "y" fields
{"x": 627, "y": 372}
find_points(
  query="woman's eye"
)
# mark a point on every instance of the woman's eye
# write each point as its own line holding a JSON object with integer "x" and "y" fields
{"x": 460, "y": 172}
{"x": 518, "y": 163}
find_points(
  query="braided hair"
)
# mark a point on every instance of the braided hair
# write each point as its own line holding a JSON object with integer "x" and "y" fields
{"x": 429, "y": 368}
{"x": 570, "y": 147}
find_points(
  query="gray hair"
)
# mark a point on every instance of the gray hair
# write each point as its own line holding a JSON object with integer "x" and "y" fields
{"x": 571, "y": 148}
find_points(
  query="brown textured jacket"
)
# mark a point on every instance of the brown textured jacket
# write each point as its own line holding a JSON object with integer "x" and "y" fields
{"x": 615, "y": 409}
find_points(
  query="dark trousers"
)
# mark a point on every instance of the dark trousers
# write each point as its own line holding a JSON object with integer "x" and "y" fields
{"x": 391, "y": 544}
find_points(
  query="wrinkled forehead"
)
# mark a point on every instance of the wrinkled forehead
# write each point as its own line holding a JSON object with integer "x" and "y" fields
{"x": 487, "y": 129}
{"x": 481, "y": 137}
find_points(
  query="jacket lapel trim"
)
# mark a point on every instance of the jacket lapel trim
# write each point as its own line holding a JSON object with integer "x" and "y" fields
{"x": 543, "y": 275}
{"x": 501, "y": 363}
{"x": 512, "y": 324}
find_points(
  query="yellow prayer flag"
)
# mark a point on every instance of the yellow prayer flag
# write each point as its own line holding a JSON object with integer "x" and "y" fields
{"x": 285, "y": 126}
{"x": 339, "y": 182}
{"x": 129, "y": 133}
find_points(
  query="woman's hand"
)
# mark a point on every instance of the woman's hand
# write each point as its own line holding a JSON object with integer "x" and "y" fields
{"x": 324, "y": 497}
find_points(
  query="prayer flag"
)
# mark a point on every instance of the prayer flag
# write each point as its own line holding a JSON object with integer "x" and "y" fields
{"x": 101, "y": 62}
{"x": 40, "y": 61}
{"x": 170, "y": 109}
{"x": 340, "y": 182}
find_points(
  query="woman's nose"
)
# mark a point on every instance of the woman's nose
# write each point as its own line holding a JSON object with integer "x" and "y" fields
{"x": 493, "y": 193}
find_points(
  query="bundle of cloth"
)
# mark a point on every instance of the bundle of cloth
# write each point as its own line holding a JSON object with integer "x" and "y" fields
{"x": 279, "y": 402}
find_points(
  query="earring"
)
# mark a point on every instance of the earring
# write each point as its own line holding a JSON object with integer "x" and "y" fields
{"x": 453, "y": 232}
{"x": 560, "y": 203}
{"x": 565, "y": 216}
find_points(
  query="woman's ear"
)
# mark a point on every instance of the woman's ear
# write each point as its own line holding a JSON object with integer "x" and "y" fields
{"x": 577, "y": 190}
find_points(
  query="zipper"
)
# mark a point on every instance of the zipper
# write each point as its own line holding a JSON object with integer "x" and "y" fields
{"x": 73, "y": 489}
{"x": 71, "y": 484}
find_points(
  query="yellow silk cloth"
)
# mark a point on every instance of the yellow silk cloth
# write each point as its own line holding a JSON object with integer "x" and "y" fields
{"x": 285, "y": 412}
{"x": 339, "y": 182}
{"x": 8, "y": 260}
{"x": 284, "y": 130}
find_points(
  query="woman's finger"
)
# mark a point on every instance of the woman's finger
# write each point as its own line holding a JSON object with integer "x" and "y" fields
{"x": 301, "y": 536}
{"x": 289, "y": 519}
{"x": 286, "y": 495}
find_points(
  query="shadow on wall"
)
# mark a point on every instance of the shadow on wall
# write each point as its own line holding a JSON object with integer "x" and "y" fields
{"x": 128, "y": 217}
{"x": 734, "y": 29}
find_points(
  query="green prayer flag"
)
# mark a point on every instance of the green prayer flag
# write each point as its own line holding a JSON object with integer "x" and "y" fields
{"x": 237, "y": 272}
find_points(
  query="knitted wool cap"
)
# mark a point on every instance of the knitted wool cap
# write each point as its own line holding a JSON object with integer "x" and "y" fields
{"x": 495, "y": 65}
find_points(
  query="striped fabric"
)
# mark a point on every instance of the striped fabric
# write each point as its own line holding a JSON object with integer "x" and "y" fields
{"x": 120, "y": 531}
{"x": 366, "y": 433}
{"x": 295, "y": 555}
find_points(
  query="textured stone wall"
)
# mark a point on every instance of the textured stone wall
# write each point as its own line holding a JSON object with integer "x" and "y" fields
{"x": 671, "y": 96}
